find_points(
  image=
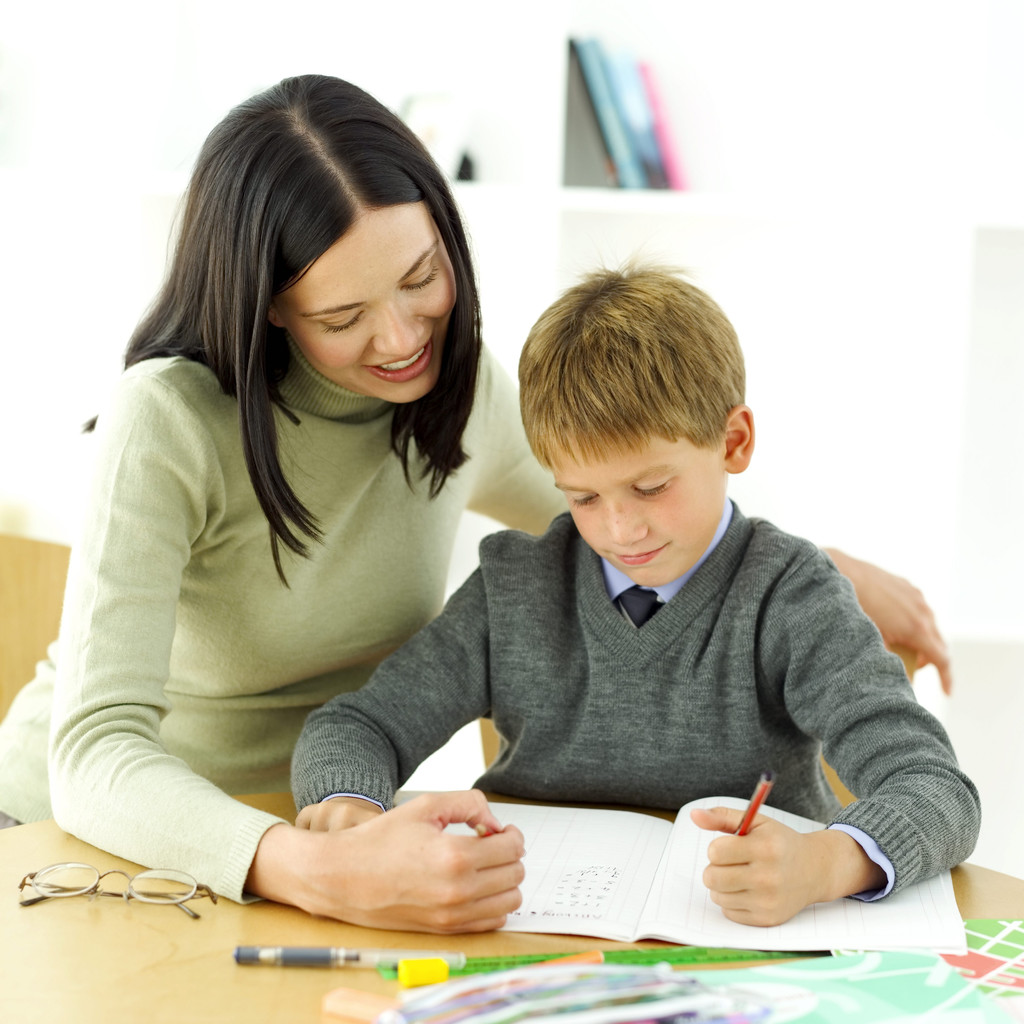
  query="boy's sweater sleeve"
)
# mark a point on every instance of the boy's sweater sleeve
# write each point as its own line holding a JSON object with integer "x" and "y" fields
{"x": 843, "y": 686}
{"x": 369, "y": 742}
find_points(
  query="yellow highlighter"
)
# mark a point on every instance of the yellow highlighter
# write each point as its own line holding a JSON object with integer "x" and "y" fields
{"x": 429, "y": 971}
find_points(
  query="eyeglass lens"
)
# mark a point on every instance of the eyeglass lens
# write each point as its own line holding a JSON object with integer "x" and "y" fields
{"x": 65, "y": 880}
{"x": 161, "y": 885}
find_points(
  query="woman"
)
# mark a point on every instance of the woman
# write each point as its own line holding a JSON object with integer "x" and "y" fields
{"x": 305, "y": 413}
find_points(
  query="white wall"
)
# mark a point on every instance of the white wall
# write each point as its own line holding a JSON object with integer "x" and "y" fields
{"x": 989, "y": 556}
{"x": 882, "y": 333}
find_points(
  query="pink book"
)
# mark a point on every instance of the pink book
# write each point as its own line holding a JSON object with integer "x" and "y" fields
{"x": 666, "y": 144}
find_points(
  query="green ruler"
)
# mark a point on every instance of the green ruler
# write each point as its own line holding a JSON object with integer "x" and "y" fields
{"x": 696, "y": 955}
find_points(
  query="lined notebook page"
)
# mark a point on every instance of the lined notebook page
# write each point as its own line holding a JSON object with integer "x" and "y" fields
{"x": 923, "y": 916}
{"x": 588, "y": 871}
{"x": 625, "y": 875}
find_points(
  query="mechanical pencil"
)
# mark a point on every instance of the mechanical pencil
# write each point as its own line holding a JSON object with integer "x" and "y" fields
{"x": 761, "y": 791}
{"x": 330, "y": 956}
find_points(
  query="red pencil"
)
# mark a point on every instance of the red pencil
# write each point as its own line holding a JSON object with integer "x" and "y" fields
{"x": 761, "y": 791}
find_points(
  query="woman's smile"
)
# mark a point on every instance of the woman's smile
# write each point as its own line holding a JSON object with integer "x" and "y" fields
{"x": 406, "y": 369}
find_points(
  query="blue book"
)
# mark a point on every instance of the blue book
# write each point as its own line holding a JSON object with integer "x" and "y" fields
{"x": 628, "y": 168}
{"x": 630, "y": 95}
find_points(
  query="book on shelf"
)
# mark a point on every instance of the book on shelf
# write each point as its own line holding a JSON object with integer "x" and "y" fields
{"x": 616, "y": 128}
{"x": 630, "y": 94}
{"x": 587, "y": 160}
{"x": 671, "y": 163}
{"x": 628, "y": 876}
{"x": 628, "y": 170}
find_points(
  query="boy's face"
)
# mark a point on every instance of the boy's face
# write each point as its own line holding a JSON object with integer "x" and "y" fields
{"x": 653, "y": 511}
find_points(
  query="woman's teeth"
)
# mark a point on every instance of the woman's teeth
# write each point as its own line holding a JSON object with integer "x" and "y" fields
{"x": 405, "y": 362}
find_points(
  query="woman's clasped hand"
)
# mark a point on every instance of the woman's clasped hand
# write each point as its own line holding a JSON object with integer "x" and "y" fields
{"x": 402, "y": 870}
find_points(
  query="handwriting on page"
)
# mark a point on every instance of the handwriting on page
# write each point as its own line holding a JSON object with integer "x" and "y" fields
{"x": 581, "y": 867}
{"x": 580, "y": 892}
{"x": 586, "y": 890}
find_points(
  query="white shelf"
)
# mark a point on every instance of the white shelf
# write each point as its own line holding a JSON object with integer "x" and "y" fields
{"x": 977, "y": 213}
{"x": 661, "y": 201}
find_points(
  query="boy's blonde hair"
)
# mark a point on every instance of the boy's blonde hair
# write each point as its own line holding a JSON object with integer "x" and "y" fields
{"x": 624, "y": 356}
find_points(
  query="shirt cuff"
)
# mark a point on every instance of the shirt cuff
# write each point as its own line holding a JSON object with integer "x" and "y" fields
{"x": 357, "y": 796}
{"x": 870, "y": 847}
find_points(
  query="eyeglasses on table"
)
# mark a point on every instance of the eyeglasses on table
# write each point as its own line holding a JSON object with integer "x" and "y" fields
{"x": 72, "y": 878}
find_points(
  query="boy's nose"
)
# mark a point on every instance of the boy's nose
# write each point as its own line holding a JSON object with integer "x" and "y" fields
{"x": 624, "y": 527}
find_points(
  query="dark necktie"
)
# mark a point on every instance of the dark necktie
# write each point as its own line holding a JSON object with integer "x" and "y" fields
{"x": 639, "y": 604}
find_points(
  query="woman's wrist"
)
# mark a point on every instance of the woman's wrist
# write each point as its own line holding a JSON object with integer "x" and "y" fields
{"x": 284, "y": 867}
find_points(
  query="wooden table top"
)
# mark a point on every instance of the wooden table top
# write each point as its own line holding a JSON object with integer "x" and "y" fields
{"x": 108, "y": 962}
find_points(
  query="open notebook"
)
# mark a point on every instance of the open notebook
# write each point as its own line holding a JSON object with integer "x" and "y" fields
{"x": 627, "y": 876}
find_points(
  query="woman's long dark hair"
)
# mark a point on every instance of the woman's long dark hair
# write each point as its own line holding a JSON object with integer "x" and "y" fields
{"x": 277, "y": 183}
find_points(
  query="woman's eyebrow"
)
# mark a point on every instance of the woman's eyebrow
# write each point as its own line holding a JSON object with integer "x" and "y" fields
{"x": 420, "y": 260}
{"x": 417, "y": 263}
{"x": 331, "y": 310}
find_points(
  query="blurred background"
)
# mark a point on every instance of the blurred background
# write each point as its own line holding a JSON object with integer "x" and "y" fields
{"x": 853, "y": 202}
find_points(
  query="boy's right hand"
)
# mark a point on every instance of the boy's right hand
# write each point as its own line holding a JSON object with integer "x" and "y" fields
{"x": 767, "y": 876}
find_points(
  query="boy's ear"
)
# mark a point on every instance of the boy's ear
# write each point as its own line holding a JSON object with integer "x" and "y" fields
{"x": 739, "y": 439}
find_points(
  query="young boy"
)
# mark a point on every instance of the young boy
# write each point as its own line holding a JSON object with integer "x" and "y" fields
{"x": 755, "y": 655}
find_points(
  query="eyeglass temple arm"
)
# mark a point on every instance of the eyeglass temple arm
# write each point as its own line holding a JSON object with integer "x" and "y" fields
{"x": 201, "y": 890}
{"x": 39, "y": 897}
{"x": 32, "y": 900}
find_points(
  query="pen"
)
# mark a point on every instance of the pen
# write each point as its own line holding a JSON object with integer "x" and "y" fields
{"x": 761, "y": 791}
{"x": 332, "y": 956}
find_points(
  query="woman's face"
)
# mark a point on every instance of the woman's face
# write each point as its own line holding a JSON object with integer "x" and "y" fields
{"x": 371, "y": 313}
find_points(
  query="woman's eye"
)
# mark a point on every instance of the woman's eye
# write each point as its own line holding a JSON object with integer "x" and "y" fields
{"x": 423, "y": 284}
{"x": 335, "y": 328}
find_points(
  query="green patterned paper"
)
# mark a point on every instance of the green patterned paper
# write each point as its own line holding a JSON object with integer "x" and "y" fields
{"x": 994, "y": 963}
{"x": 883, "y": 988}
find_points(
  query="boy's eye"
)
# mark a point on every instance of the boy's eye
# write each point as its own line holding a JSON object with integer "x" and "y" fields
{"x": 584, "y": 500}
{"x": 651, "y": 492}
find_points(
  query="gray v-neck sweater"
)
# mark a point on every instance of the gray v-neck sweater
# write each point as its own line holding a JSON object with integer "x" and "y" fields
{"x": 760, "y": 661}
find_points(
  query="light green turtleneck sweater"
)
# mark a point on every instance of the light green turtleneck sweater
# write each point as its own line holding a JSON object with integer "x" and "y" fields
{"x": 184, "y": 668}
